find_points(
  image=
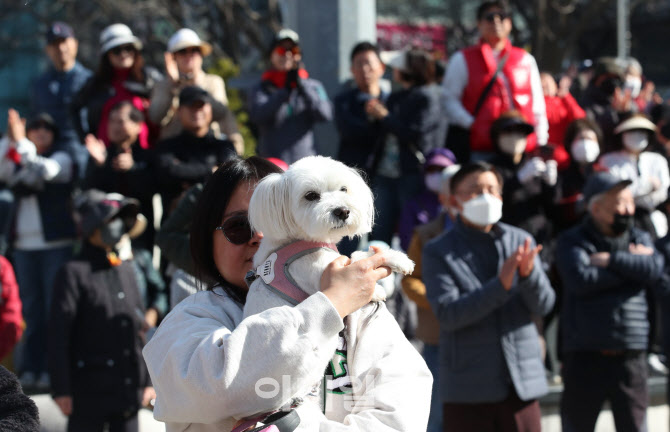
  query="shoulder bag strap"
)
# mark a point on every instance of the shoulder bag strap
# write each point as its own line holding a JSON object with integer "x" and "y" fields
{"x": 489, "y": 85}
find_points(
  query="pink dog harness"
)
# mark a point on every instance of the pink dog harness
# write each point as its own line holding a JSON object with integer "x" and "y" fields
{"x": 281, "y": 281}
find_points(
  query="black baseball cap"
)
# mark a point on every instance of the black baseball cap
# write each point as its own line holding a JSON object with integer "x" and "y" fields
{"x": 601, "y": 182}
{"x": 190, "y": 94}
{"x": 42, "y": 120}
{"x": 95, "y": 208}
{"x": 59, "y": 30}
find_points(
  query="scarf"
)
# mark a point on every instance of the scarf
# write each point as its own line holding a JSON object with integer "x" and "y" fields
{"x": 278, "y": 78}
{"x": 121, "y": 93}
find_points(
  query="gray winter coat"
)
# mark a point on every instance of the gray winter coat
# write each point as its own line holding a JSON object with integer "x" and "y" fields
{"x": 488, "y": 341}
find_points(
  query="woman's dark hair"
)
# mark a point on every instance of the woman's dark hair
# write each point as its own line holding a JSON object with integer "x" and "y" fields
{"x": 578, "y": 126}
{"x": 105, "y": 72}
{"x": 420, "y": 67}
{"x": 210, "y": 209}
{"x": 135, "y": 115}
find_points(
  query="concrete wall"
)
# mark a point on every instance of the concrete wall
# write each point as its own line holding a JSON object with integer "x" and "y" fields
{"x": 328, "y": 30}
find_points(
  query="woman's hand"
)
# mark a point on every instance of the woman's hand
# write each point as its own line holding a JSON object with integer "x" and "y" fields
{"x": 171, "y": 69}
{"x": 96, "y": 149}
{"x": 350, "y": 286}
{"x": 64, "y": 404}
{"x": 16, "y": 126}
{"x": 148, "y": 397}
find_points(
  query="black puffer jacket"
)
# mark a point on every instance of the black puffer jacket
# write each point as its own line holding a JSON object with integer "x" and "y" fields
{"x": 605, "y": 308}
{"x": 93, "y": 97}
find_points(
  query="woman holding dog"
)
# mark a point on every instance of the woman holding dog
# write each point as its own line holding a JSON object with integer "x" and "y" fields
{"x": 209, "y": 367}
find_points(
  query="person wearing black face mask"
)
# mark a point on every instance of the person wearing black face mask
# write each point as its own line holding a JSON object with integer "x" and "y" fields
{"x": 606, "y": 265}
{"x": 97, "y": 324}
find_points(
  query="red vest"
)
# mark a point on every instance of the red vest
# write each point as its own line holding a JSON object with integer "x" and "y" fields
{"x": 481, "y": 66}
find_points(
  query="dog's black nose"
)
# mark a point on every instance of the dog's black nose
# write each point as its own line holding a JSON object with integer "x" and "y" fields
{"x": 341, "y": 213}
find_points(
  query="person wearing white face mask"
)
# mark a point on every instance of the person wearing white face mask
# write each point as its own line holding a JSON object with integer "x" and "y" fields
{"x": 583, "y": 140}
{"x": 647, "y": 170}
{"x": 485, "y": 283}
{"x": 529, "y": 178}
{"x": 426, "y": 205}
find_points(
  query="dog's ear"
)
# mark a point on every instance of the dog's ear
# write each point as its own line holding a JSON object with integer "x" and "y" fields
{"x": 269, "y": 208}
{"x": 367, "y": 204}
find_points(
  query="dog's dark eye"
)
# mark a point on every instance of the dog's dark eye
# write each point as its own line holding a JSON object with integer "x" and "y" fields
{"x": 312, "y": 196}
{"x": 343, "y": 189}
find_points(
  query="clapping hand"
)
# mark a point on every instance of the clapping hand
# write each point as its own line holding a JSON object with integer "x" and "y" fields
{"x": 123, "y": 161}
{"x": 527, "y": 262}
{"x": 550, "y": 175}
{"x": 375, "y": 109}
{"x": 171, "y": 67}
{"x": 16, "y": 126}
{"x": 523, "y": 260}
{"x": 96, "y": 148}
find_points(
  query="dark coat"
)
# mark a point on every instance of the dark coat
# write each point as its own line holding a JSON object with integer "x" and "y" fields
{"x": 93, "y": 96}
{"x": 605, "y": 308}
{"x": 18, "y": 413}
{"x": 138, "y": 182}
{"x": 95, "y": 344}
{"x": 185, "y": 160}
{"x": 286, "y": 118}
{"x": 527, "y": 206}
{"x": 418, "y": 122}
{"x": 359, "y": 135}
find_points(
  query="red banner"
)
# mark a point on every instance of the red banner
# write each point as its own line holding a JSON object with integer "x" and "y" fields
{"x": 394, "y": 36}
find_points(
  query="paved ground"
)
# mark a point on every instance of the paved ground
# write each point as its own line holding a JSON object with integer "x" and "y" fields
{"x": 53, "y": 420}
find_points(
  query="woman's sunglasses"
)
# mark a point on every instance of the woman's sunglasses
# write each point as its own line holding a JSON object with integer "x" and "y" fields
{"x": 189, "y": 50}
{"x": 237, "y": 230}
{"x": 122, "y": 48}
{"x": 295, "y": 50}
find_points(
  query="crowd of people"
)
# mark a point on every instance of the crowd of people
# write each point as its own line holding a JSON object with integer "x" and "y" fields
{"x": 524, "y": 198}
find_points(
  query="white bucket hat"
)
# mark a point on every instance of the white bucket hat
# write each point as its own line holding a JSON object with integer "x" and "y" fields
{"x": 636, "y": 122}
{"x": 187, "y": 38}
{"x": 117, "y": 35}
{"x": 395, "y": 59}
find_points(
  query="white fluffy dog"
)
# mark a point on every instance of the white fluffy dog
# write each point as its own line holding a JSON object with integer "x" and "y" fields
{"x": 319, "y": 200}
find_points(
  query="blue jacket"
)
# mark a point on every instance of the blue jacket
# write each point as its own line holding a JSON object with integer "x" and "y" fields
{"x": 285, "y": 119}
{"x": 488, "y": 341}
{"x": 605, "y": 308}
{"x": 53, "y": 93}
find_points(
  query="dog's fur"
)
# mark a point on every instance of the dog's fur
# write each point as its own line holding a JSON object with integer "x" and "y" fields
{"x": 308, "y": 202}
{"x": 303, "y": 204}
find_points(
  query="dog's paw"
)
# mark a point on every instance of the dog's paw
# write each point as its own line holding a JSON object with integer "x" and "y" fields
{"x": 379, "y": 295}
{"x": 399, "y": 262}
{"x": 359, "y": 255}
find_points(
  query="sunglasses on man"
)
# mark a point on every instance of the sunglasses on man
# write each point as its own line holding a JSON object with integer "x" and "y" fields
{"x": 122, "y": 48}
{"x": 236, "y": 229}
{"x": 281, "y": 50}
{"x": 491, "y": 16}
